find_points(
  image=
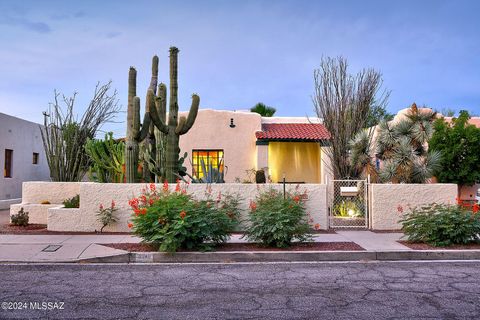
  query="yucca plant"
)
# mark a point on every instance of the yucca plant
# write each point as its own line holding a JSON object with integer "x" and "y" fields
{"x": 401, "y": 148}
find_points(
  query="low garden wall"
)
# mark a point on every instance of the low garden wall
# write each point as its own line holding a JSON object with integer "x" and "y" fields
{"x": 388, "y": 202}
{"x": 93, "y": 194}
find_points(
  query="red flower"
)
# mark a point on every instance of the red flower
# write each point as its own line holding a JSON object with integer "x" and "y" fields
{"x": 317, "y": 226}
{"x": 165, "y": 186}
{"x": 152, "y": 187}
{"x": 150, "y": 201}
{"x": 177, "y": 187}
{"x": 476, "y": 207}
{"x": 100, "y": 207}
{"x": 296, "y": 199}
{"x": 253, "y": 206}
{"x": 183, "y": 214}
{"x": 130, "y": 225}
{"x": 400, "y": 209}
{"x": 113, "y": 204}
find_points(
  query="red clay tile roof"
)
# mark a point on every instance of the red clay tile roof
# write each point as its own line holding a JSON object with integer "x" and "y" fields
{"x": 293, "y": 131}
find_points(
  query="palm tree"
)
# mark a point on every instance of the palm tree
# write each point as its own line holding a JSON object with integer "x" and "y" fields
{"x": 401, "y": 147}
{"x": 263, "y": 110}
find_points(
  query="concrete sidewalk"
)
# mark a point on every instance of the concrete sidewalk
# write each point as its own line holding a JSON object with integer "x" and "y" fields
{"x": 74, "y": 248}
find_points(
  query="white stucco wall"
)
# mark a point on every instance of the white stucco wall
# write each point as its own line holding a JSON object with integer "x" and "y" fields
{"x": 93, "y": 194}
{"x": 54, "y": 192}
{"x": 24, "y": 138}
{"x": 212, "y": 131}
{"x": 386, "y": 198}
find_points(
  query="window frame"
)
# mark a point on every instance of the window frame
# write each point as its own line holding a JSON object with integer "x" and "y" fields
{"x": 36, "y": 157}
{"x": 196, "y": 166}
{"x": 8, "y": 164}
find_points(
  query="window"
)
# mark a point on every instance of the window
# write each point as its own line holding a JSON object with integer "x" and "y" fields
{"x": 209, "y": 157}
{"x": 35, "y": 158}
{"x": 7, "y": 170}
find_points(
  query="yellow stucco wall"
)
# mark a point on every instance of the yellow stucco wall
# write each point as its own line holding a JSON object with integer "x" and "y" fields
{"x": 300, "y": 161}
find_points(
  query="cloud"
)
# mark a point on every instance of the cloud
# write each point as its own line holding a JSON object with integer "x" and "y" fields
{"x": 36, "y": 26}
{"x": 113, "y": 34}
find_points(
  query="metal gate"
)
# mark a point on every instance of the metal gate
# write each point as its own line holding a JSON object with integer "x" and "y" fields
{"x": 348, "y": 203}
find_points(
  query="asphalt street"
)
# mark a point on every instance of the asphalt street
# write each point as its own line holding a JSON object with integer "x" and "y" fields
{"x": 376, "y": 290}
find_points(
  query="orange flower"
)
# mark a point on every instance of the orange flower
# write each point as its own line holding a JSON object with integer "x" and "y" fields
{"x": 296, "y": 199}
{"x": 165, "y": 186}
{"x": 317, "y": 226}
{"x": 183, "y": 214}
{"x": 177, "y": 187}
{"x": 130, "y": 225}
{"x": 253, "y": 205}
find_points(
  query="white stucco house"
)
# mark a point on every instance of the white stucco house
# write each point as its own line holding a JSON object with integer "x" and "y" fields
{"x": 293, "y": 147}
{"x": 22, "y": 157}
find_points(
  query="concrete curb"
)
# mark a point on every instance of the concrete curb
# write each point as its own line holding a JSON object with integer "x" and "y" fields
{"x": 309, "y": 256}
{"x": 271, "y": 256}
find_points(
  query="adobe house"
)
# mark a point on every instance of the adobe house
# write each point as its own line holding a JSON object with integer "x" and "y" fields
{"x": 22, "y": 157}
{"x": 293, "y": 147}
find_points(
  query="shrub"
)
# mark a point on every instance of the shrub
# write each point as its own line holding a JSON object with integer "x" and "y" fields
{"x": 73, "y": 202}
{"x": 20, "y": 219}
{"x": 106, "y": 216}
{"x": 275, "y": 221}
{"x": 176, "y": 220}
{"x": 441, "y": 225}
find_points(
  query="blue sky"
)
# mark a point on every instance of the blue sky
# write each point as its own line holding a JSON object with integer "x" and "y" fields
{"x": 236, "y": 53}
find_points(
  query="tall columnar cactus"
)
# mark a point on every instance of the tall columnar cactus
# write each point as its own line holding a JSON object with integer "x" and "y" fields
{"x": 136, "y": 132}
{"x": 163, "y": 133}
{"x": 174, "y": 127}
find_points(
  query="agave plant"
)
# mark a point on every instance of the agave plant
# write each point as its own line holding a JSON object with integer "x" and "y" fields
{"x": 401, "y": 149}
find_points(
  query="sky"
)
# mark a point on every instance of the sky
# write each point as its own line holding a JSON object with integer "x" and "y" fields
{"x": 237, "y": 53}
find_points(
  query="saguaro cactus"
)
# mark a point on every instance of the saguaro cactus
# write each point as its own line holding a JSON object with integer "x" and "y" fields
{"x": 174, "y": 127}
{"x": 160, "y": 130}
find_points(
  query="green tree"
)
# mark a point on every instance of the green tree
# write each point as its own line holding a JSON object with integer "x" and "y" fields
{"x": 377, "y": 114}
{"x": 459, "y": 144}
{"x": 263, "y": 110}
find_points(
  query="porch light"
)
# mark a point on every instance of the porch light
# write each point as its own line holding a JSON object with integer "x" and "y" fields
{"x": 232, "y": 125}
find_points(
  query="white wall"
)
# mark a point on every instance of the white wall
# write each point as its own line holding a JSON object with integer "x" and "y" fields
{"x": 24, "y": 138}
{"x": 386, "y": 198}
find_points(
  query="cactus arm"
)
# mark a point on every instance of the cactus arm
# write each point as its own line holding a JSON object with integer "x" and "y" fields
{"x": 156, "y": 113}
{"x": 154, "y": 79}
{"x": 146, "y": 119}
{"x": 186, "y": 124}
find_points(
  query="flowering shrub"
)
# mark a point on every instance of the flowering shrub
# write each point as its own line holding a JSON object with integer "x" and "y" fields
{"x": 441, "y": 225}
{"x": 275, "y": 221}
{"x": 106, "y": 216}
{"x": 176, "y": 220}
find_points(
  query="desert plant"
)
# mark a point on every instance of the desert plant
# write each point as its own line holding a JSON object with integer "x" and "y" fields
{"x": 260, "y": 176}
{"x": 441, "y": 225}
{"x": 263, "y": 110}
{"x": 344, "y": 102}
{"x": 64, "y": 135}
{"x": 212, "y": 175}
{"x": 348, "y": 208}
{"x": 176, "y": 220}
{"x": 277, "y": 221}
{"x": 73, "y": 202}
{"x": 107, "y": 159}
{"x": 401, "y": 147}
{"x": 155, "y": 112}
{"x": 20, "y": 219}
{"x": 106, "y": 216}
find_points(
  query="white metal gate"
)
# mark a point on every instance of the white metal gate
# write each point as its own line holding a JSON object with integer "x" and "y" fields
{"x": 348, "y": 203}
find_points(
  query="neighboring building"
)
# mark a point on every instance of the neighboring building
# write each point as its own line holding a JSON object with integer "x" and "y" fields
{"x": 293, "y": 147}
{"x": 22, "y": 157}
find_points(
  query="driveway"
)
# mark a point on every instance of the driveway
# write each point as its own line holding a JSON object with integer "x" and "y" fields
{"x": 400, "y": 290}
